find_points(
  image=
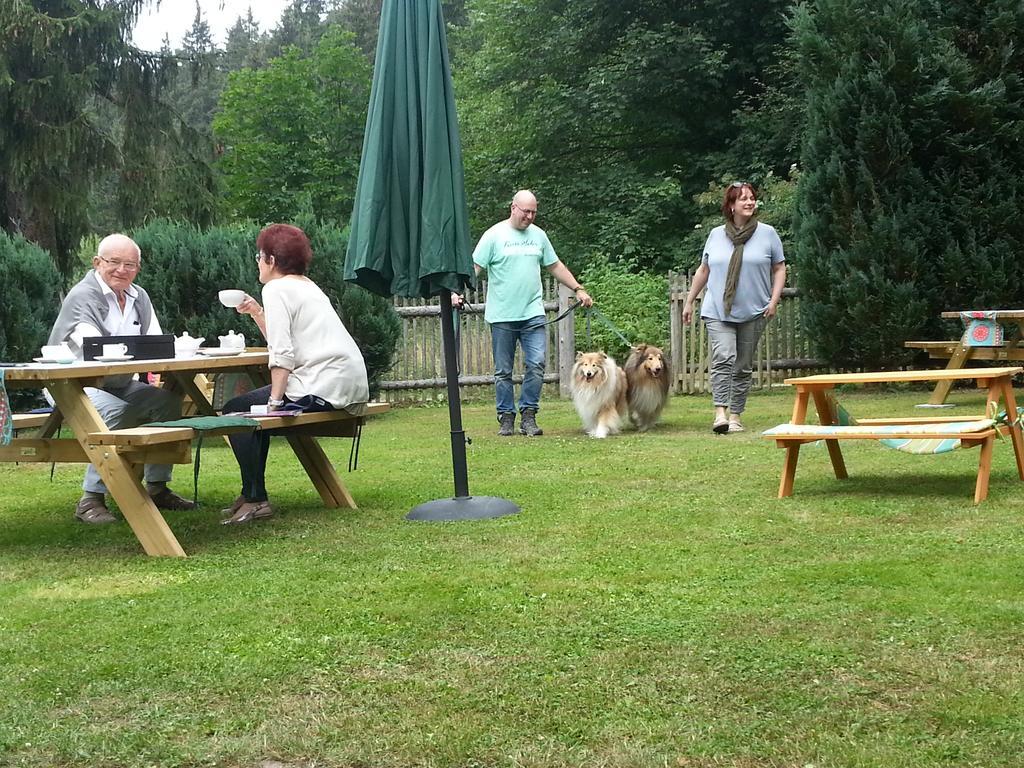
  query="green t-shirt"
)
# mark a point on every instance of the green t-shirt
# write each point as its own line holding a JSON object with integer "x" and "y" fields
{"x": 513, "y": 259}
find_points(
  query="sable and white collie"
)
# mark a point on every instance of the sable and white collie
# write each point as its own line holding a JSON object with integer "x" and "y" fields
{"x": 647, "y": 375}
{"x": 599, "y": 393}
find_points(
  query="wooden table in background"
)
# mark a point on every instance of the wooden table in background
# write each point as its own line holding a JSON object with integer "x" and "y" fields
{"x": 961, "y": 354}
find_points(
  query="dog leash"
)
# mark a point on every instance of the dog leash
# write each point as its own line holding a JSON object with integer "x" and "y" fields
{"x": 594, "y": 312}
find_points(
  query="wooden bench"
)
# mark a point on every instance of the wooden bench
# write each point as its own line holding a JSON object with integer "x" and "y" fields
{"x": 319, "y": 424}
{"x": 172, "y": 445}
{"x": 945, "y": 350}
{"x": 978, "y": 432}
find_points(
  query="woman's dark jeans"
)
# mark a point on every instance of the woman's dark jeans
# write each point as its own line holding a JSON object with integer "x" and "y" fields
{"x": 251, "y": 448}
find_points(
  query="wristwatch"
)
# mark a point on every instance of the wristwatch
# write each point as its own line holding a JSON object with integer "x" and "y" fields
{"x": 275, "y": 403}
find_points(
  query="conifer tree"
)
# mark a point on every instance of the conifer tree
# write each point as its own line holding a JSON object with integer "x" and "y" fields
{"x": 912, "y": 185}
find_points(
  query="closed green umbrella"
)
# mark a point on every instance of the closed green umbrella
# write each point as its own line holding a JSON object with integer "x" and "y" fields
{"x": 410, "y": 230}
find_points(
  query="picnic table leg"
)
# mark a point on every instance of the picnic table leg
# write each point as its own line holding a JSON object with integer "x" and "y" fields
{"x": 789, "y": 469}
{"x": 313, "y": 459}
{"x": 1006, "y": 390}
{"x": 984, "y": 470}
{"x": 186, "y": 384}
{"x": 826, "y": 417}
{"x": 793, "y": 449}
{"x": 957, "y": 360}
{"x": 118, "y": 473}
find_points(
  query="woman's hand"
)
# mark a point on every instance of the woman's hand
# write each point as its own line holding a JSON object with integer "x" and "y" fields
{"x": 250, "y": 306}
{"x": 687, "y": 312}
{"x": 773, "y": 307}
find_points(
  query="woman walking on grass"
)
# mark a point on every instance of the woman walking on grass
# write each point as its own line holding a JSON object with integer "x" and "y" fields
{"x": 744, "y": 270}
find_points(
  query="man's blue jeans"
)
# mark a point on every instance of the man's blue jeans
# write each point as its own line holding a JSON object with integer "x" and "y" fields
{"x": 532, "y": 335}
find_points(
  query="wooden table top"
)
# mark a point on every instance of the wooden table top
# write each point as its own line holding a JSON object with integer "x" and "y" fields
{"x": 1001, "y": 314}
{"x": 44, "y": 372}
{"x": 892, "y": 377}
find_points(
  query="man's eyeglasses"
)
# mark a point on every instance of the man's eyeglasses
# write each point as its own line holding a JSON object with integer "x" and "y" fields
{"x": 127, "y": 266}
{"x": 530, "y": 211}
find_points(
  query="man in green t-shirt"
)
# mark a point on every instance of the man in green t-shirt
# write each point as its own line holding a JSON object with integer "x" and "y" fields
{"x": 512, "y": 253}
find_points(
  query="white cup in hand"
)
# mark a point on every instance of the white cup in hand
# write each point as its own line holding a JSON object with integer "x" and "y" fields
{"x": 115, "y": 350}
{"x": 231, "y": 297}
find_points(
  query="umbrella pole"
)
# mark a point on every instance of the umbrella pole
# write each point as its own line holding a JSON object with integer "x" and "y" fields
{"x": 463, "y": 506}
{"x": 451, "y": 371}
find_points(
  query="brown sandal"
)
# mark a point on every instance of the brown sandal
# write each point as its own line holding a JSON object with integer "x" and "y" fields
{"x": 93, "y": 511}
{"x": 238, "y": 502}
{"x": 249, "y": 511}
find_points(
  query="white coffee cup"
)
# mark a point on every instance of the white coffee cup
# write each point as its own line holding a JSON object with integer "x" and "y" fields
{"x": 115, "y": 350}
{"x": 57, "y": 352}
{"x": 231, "y": 297}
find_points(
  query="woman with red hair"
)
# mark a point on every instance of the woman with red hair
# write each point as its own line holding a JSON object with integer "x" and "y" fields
{"x": 744, "y": 270}
{"x": 315, "y": 364}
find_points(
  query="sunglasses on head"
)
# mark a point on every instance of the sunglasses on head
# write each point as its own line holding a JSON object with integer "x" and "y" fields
{"x": 740, "y": 184}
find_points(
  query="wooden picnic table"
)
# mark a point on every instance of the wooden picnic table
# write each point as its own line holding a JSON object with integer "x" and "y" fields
{"x": 997, "y": 382}
{"x": 119, "y": 455}
{"x": 960, "y": 353}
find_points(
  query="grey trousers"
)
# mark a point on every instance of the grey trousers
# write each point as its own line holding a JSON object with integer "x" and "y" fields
{"x": 129, "y": 406}
{"x": 732, "y": 360}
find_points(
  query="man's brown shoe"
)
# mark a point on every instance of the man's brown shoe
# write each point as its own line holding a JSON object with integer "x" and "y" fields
{"x": 93, "y": 511}
{"x": 165, "y": 498}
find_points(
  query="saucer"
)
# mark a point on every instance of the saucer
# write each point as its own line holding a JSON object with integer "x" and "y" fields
{"x": 113, "y": 358}
{"x": 61, "y": 361}
{"x": 219, "y": 351}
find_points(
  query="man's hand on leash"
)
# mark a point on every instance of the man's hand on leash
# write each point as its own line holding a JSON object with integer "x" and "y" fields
{"x": 584, "y": 297}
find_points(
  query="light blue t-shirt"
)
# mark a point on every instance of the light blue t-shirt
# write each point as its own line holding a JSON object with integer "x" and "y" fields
{"x": 754, "y": 289}
{"x": 513, "y": 259}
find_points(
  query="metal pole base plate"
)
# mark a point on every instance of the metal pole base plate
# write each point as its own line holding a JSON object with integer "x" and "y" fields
{"x": 463, "y": 508}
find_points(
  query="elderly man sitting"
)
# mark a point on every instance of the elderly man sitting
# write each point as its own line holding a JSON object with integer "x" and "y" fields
{"x": 107, "y": 303}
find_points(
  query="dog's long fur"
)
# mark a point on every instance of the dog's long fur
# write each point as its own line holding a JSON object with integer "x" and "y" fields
{"x": 647, "y": 373}
{"x": 599, "y": 393}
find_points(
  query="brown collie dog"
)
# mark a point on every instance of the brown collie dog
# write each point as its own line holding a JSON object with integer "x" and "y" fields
{"x": 647, "y": 374}
{"x": 599, "y": 393}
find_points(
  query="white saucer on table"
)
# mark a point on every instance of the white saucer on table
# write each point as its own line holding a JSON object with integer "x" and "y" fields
{"x": 54, "y": 360}
{"x": 219, "y": 351}
{"x": 113, "y": 358}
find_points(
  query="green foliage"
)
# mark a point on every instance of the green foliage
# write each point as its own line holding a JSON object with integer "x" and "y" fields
{"x": 29, "y": 298}
{"x": 184, "y": 268}
{"x": 634, "y": 302}
{"x": 613, "y": 113}
{"x": 78, "y": 102}
{"x": 913, "y": 169}
{"x": 293, "y": 131}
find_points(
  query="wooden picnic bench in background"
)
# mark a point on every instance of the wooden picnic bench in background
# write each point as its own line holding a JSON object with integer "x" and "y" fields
{"x": 960, "y": 352}
{"x": 974, "y": 432}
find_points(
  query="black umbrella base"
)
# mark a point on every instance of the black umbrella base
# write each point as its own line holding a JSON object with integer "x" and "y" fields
{"x": 463, "y": 508}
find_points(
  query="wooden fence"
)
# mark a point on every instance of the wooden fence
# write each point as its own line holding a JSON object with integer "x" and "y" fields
{"x": 784, "y": 350}
{"x": 418, "y": 372}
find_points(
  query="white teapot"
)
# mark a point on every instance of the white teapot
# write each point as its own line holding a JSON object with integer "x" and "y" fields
{"x": 187, "y": 345}
{"x": 232, "y": 341}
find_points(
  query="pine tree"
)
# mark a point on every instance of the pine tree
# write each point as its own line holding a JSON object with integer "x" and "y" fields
{"x": 911, "y": 181}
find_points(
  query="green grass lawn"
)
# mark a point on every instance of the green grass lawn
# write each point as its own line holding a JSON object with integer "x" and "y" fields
{"x": 653, "y": 605}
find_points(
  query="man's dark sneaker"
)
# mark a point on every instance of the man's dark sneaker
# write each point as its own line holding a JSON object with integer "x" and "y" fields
{"x": 165, "y": 498}
{"x": 528, "y": 423}
{"x": 508, "y": 424}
